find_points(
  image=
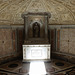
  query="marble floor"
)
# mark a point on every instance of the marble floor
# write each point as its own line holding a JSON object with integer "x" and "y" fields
{"x": 54, "y": 67}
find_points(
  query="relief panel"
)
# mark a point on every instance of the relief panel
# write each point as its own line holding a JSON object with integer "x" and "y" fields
{"x": 6, "y": 42}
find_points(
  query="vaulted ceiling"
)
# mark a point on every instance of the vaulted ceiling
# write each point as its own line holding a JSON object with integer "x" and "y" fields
{"x": 62, "y": 11}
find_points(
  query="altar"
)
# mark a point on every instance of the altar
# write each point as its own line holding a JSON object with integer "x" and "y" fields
{"x": 36, "y": 52}
{"x": 36, "y": 43}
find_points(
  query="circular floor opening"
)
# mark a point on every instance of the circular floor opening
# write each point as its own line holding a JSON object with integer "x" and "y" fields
{"x": 13, "y": 65}
{"x": 59, "y": 63}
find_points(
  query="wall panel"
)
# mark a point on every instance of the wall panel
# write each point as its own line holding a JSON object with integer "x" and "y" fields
{"x": 6, "y": 41}
{"x": 11, "y": 40}
{"x": 72, "y": 40}
{"x": 64, "y": 42}
{"x": 67, "y": 41}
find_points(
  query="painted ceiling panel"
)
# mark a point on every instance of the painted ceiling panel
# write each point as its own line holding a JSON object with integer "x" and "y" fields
{"x": 62, "y": 11}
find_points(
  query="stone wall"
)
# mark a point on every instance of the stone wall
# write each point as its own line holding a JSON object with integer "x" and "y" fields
{"x": 63, "y": 42}
{"x": 11, "y": 40}
{"x": 62, "y": 39}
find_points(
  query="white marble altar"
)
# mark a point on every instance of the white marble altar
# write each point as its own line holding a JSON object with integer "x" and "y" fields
{"x": 36, "y": 52}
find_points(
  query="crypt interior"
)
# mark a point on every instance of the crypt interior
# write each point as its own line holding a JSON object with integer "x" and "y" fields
{"x": 37, "y": 37}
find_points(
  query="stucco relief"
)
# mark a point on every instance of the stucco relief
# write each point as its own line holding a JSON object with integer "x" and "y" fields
{"x": 72, "y": 2}
{"x": 36, "y": 6}
{"x": 62, "y": 11}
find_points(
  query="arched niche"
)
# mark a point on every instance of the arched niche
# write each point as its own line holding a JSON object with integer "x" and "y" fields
{"x": 36, "y": 30}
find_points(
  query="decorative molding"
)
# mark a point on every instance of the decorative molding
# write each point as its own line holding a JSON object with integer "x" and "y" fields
{"x": 62, "y": 53}
{"x": 61, "y": 26}
{"x": 50, "y": 26}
